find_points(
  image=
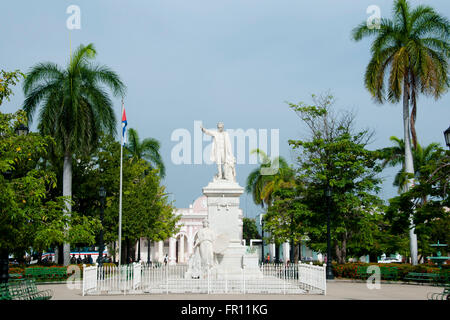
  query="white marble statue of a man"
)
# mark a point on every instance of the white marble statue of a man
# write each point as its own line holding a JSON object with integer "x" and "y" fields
{"x": 222, "y": 153}
{"x": 204, "y": 241}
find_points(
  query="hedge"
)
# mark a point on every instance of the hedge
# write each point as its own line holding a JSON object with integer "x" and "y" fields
{"x": 349, "y": 270}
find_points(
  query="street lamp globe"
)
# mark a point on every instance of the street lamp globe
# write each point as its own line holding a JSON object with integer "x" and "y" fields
{"x": 22, "y": 130}
{"x": 447, "y": 137}
{"x": 328, "y": 192}
{"x": 102, "y": 192}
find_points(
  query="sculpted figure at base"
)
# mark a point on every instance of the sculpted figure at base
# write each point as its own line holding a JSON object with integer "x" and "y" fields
{"x": 203, "y": 258}
{"x": 205, "y": 241}
{"x": 222, "y": 153}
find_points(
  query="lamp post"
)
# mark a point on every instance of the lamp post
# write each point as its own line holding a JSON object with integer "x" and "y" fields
{"x": 22, "y": 130}
{"x": 148, "y": 251}
{"x": 329, "y": 271}
{"x": 447, "y": 137}
{"x": 4, "y": 254}
{"x": 102, "y": 194}
{"x": 261, "y": 222}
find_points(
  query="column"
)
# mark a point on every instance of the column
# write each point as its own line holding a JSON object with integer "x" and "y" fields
{"x": 155, "y": 251}
{"x": 172, "y": 248}
{"x": 272, "y": 251}
{"x": 286, "y": 251}
{"x": 160, "y": 251}
{"x": 181, "y": 250}
{"x": 190, "y": 241}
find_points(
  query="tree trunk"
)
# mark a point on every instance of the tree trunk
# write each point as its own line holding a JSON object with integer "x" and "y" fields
{"x": 299, "y": 251}
{"x": 4, "y": 266}
{"x": 337, "y": 253}
{"x": 295, "y": 258}
{"x": 114, "y": 255}
{"x": 344, "y": 251}
{"x": 409, "y": 164}
{"x": 60, "y": 256}
{"x": 128, "y": 250}
{"x": 67, "y": 192}
{"x": 373, "y": 257}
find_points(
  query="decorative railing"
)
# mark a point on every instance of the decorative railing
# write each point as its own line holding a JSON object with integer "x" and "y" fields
{"x": 164, "y": 279}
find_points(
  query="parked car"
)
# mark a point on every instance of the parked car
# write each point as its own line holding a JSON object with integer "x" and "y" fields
{"x": 390, "y": 260}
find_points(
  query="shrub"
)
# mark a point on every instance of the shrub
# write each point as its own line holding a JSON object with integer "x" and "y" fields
{"x": 349, "y": 270}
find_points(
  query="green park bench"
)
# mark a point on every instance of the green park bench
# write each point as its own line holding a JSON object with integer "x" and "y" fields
{"x": 389, "y": 273}
{"x": 415, "y": 276}
{"x": 46, "y": 273}
{"x": 23, "y": 290}
{"x": 445, "y": 295}
{"x": 361, "y": 272}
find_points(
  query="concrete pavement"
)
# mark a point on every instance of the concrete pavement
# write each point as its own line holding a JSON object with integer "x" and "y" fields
{"x": 336, "y": 290}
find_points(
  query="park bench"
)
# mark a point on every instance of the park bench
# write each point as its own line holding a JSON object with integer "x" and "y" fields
{"x": 390, "y": 273}
{"x": 23, "y": 290}
{"x": 422, "y": 276}
{"x": 445, "y": 295}
{"x": 15, "y": 275}
{"x": 46, "y": 273}
{"x": 361, "y": 272}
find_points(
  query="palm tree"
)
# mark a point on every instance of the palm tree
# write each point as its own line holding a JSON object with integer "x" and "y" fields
{"x": 147, "y": 149}
{"x": 75, "y": 108}
{"x": 263, "y": 182}
{"x": 413, "y": 49}
{"x": 415, "y": 46}
{"x": 262, "y": 185}
{"x": 395, "y": 155}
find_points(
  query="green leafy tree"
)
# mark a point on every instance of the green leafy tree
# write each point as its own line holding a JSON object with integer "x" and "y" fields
{"x": 8, "y": 79}
{"x": 395, "y": 156}
{"x": 75, "y": 108}
{"x": 147, "y": 149}
{"x": 432, "y": 217}
{"x": 29, "y": 216}
{"x": 286, "y": 220}
{"x": 335, "y": 156}
{"x": 249, "y": 230}
{"x": 146, "y": 211}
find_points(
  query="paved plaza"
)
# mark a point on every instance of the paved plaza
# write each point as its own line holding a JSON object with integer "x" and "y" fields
{"x": 336, "y": 290}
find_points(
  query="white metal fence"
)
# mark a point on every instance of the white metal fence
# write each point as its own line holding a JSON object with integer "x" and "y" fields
{"x": 141, "y": 278}
{"x": 89, "y": 279}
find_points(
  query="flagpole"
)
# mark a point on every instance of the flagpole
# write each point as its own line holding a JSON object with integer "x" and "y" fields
{"x": 120, "y": 193}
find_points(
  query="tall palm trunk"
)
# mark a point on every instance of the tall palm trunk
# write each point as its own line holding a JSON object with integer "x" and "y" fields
{"x": 409, "y": 164}
{"x": 67, "y": 192}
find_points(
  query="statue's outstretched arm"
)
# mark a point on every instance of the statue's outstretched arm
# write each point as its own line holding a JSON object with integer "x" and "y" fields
{"x": 208, "y": 132}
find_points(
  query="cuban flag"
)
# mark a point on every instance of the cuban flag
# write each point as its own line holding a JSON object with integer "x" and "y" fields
{"x": 124, "y": 126}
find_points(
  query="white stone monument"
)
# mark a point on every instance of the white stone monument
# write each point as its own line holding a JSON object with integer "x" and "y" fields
{"x": 224, "y": 215}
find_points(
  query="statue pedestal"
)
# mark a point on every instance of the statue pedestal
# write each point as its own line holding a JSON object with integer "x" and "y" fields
{"x": 225, "y": 218}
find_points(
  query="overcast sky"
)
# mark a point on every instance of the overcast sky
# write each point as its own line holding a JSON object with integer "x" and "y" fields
{"x": 236, "y": 61}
